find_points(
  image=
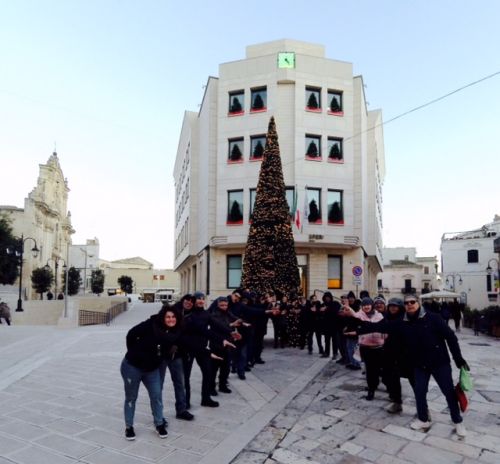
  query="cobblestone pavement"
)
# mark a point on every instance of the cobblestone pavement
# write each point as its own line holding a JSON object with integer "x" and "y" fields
{"x": 330, "y": 422}
{"x": 61, "y": 400}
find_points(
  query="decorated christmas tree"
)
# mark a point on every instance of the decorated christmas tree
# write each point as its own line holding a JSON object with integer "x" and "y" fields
{"x": 312, "y": 102}
{"x": 270, "y": 262}
{"x": 258, "y": 150}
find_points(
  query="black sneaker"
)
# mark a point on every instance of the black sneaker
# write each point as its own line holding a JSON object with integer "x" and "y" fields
{"x": 225, "y": 389}
{"x": 162, "y": 431}
{"x": 129, "y": 433}
{"x": 185, "y": 415}
{"x": 210, "y": 403}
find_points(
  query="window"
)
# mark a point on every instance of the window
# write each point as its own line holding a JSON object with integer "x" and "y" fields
{"x": 253, "y": 193}
{"x": 237, "y": 102}
{"x": 235, "y": 207}
{"x": 335, "y": 150}
{"x": 335, "y": 102}
{"x": 313, "y": 147}
{"x": 234, "y": 263}
{"x": 379, "y": 284}
{"x": 334, "y": 271}
{"x": 235, "y": 150}
{"x": 313, "y": 99}
{"x": 472, "y": 256}
{"x": 314, "y": 205}
{"x": 426, "y": 269}
{"x": 290, "y": 193}
{"x": 407, "y": 288}
{"x": 335, "y": 207}
{"x": 258, "y": 99}
{"x": 257, "y": 145}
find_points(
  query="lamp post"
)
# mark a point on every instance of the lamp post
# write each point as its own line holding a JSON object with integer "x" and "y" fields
{"x": 18, "y": 251}
{"x": 85, "y": 269}
{"x": 489, "y": 270}
{"x": 453, "y": 276}
{"x": 56, "y": 265}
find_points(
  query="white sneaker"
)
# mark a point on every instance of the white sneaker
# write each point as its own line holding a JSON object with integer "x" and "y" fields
{"x": 420, "y": 425}
{"x": 460, "y": 430}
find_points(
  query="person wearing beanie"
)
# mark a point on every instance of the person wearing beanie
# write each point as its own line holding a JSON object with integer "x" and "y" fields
{"x": 395, "y": 365}
{"x": 370, "y": 346}
{"x": 379, "y": 304}
{"x": 427, "y": 340}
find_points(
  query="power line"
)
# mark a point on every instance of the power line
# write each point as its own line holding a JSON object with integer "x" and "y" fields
{"x": 399, "y": 116}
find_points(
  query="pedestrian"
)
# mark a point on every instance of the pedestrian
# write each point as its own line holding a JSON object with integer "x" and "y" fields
{"x": 370, "y": 346}
{"x": 4, "y": 312}
{"x": 427, "y": 340}
{"x": 173, "y": 362}
{"x": 330, "y": 309}
{"x": 147, "y": 344}
{"x": 477, "y": 317}
{"x": 379, "y": 304}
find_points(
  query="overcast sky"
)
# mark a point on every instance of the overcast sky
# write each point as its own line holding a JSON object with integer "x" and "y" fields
{"x": 109, "y": 82}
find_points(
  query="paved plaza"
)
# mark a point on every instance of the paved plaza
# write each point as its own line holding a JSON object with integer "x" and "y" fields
{"x": 61, "y": 401}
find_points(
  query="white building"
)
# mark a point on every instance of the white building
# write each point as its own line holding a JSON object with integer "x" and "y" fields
{"x": 470, "y": 265}
{"x": 405, "y": 273}
{"x": 330, "y": 144}
{"x": 86, "y": 259}
{"x": 44, "y": 221}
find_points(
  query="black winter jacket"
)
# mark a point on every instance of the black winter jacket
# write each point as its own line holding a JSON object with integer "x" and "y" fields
{"x": 148, "y": 343}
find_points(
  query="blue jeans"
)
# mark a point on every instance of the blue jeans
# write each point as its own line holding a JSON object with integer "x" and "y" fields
{"x": 442, "y": 376}
{"x": 132, "y": 378}
{"x": 177, "y": 375}
{"x": 351, "y": 344}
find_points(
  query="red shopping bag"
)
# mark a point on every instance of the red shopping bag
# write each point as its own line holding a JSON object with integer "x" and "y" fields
{"x": 463, "y": 402}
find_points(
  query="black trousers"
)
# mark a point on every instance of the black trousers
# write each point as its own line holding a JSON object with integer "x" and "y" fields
{"x": 373, "y": 357}
{"x": 223, "y": 368}
{"x": 203, "y": 360}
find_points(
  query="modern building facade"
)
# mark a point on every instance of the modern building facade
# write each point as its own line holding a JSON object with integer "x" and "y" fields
{"x": 332, "y": 152}
{"x": 406, "y": 273}
{"x": 470, "y": 264}
{"x": 85, "y": 258}
{"x": 45, "y": 219}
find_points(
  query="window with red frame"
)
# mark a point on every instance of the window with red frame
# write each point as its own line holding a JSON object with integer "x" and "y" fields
{"x": 235, "y": 150}
{"x": 257, "y": 145}
{"x": 313, "y": 147}
{"x": 313, "y": 99}
{"x": 335, "y": 150}
{"x": 314, "y": 206}
{"x": 335, "y": 207}
{"x": 236, "y": 102}
{"x": 335, "y": 104}
{"x": 235, "y": 207}
{"x": 258, "y": 99}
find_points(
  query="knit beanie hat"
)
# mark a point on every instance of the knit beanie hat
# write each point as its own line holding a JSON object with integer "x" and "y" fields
{"x": 198, "y": 295}
{"x": 366, "y": 301}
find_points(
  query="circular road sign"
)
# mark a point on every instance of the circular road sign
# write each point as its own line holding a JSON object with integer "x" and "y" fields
{"x": 357, "y": 271}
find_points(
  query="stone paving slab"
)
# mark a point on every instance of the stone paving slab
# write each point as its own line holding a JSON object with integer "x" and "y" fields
{"x": 61, "y": 401}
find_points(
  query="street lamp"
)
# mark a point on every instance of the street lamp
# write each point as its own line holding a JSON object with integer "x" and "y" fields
{"x": 453, "y": 277}
{"x": 18, "y": 251}
{"x": 56, "y": 265}
{"x": 489, "y": 270}
{"x": 85, "y": 268}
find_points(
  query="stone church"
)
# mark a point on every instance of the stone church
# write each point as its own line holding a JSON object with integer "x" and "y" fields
{"x": 45, "y": 219}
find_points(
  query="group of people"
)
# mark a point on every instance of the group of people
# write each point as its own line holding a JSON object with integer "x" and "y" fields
{"x": 397, "y": 339}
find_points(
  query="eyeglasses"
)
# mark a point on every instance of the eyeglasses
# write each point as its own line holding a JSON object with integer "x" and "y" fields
{"x": 410, "y": 302}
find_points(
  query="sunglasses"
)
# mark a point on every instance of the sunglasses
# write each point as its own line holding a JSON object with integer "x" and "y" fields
{"x": 410, "y": 302}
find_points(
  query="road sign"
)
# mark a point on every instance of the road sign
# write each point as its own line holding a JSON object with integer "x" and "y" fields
{"x": 357, "y": 271}
{"x": 356, "y": 280}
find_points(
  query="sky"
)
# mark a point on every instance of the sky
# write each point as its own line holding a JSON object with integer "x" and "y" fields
{"x": 107, "y": 82}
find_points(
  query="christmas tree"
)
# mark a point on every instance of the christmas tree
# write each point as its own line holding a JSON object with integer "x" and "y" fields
{"x": 258, "y": 103}
{"x": 258, "y": 150}
{"x": 334, "y": 105}
{"x": 312, "y": 150}
{"x": 235, "y": 153}
{"x": 312, "y": 102}
{"x": 236, "y": 106}
{"x": 314, "y": 215}
{"x": 270, "y": 262}
{"x": 335, "y": 151}
{"x": 335, "y": 214}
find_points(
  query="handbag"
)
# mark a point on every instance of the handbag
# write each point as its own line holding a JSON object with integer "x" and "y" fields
{"x": 465, "y": 380}
{"x": 463, "y": 402}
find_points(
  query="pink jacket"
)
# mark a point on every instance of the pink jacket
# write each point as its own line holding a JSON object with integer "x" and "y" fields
{"x": 371, "y": 339}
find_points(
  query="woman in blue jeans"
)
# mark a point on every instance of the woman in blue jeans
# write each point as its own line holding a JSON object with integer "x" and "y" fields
{"x": 148, "y": 344}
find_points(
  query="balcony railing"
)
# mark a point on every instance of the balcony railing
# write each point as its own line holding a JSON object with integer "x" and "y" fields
{"x": 408, "y": 290}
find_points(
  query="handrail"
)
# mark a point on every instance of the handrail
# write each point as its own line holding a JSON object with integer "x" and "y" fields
{"x": 89, "y": 317}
